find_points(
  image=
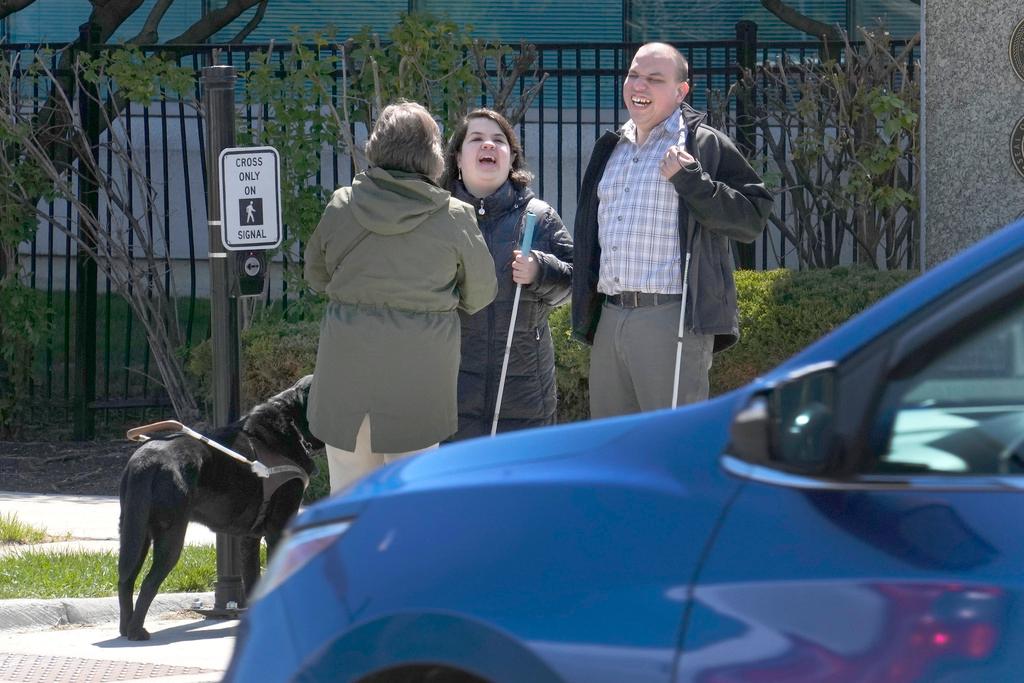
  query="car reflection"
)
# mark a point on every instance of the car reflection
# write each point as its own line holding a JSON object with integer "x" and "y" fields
{"x": 842, "y": 632}
{"x": 923, "y": 531}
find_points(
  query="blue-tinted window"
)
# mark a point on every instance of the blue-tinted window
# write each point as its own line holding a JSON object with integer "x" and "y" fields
{"x": 540, "y": 21}
{"x": 687, "y": 21}
{"x": 180, "y": 15}
{"x": 284, "y": 17}
{"x": 901, "y": 17}
{"x": 47, "y": 21}
{"x": 57, "y": 21}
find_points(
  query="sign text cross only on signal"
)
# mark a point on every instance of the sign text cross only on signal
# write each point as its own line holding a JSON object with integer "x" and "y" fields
{"x": 250, "y": 198}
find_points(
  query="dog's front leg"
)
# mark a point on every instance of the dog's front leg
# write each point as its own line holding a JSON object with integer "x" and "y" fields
{"x": 250, "y": 550}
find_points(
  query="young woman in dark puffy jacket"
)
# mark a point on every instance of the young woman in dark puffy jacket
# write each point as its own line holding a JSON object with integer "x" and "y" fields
{"x": 484, "y": 166}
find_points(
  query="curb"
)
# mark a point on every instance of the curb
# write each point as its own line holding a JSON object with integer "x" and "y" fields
{"x": 29, "y": 614}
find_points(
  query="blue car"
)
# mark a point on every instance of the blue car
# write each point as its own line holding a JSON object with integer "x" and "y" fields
{"x": 850, "y": 516}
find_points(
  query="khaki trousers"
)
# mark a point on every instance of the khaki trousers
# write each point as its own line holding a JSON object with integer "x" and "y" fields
{"x": 633, "y": 361}
{"x": 346, "y": 467}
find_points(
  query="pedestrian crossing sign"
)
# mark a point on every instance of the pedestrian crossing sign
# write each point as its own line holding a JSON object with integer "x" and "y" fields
{"x": 250, "y": 206}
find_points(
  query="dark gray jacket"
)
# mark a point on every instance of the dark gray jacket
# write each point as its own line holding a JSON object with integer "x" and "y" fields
{"x": 529, "y": 396}
{"x": 720, "y": 198}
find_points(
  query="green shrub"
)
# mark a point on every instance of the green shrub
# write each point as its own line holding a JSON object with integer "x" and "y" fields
{"x": 274, "y": 355}
{"x": 23, "y": 334}
{"x": 572, "y": 368}
{"x": 782, "y": 311}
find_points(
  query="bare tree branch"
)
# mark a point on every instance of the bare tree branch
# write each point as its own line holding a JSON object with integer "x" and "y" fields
{"x": 213, "y": 22}
{"x": 11, "y": 6}
{"x": 252, "y": 24}
{"x": 801, "y": 22}
{"x": 846, "y": 157}
{"x": 108, "y": 16}
{"x": 130, "y": 254}
{"x": 149, "y": 33}
{"x": 505, "y": 81}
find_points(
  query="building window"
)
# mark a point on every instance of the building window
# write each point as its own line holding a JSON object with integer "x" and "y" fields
{"x": 900, "y": 17}
{"x": 536, "y": 21}
{"x": 283, "y": 17}
{"x": 687, "y": 21}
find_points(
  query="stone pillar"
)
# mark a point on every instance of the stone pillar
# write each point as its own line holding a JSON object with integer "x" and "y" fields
{"x": 973, "y": 107}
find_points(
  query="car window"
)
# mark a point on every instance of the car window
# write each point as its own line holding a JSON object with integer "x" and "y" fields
{"x": 962, "y": 412}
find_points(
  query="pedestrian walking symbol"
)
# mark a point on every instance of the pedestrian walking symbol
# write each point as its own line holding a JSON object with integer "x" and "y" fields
{"x": 250, "y": 211}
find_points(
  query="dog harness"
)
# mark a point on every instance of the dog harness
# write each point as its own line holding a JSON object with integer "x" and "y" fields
{"x": 279, "y": 471}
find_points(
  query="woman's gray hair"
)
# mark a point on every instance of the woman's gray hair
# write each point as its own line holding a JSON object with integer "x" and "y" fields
{"x": 406, "y": 138}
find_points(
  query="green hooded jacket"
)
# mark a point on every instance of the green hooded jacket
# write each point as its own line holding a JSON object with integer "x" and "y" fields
{"x": 398, "y": 258}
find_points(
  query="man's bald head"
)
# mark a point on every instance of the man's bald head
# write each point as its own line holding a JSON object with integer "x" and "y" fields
{"x": 682, "y": 67}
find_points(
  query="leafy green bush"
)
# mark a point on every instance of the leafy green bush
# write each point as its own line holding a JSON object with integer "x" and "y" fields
{"x": 572, "y": 368}
{"x": 23, "y": 333}
{"x": 782, "y": 311}
{"x": 274, "y": 355}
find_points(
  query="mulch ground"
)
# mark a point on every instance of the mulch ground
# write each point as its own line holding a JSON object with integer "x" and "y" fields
{"x": 80, "y": 467}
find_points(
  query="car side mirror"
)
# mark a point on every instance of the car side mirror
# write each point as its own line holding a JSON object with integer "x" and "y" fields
{"x": 790, "y": 426}
{"x": 805, "y": 438}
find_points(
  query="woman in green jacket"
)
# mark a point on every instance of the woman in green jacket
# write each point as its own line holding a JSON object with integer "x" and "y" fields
{"x": 398, "y": 257}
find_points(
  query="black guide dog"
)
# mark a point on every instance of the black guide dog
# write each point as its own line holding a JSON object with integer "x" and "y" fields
{"x": 173, "y": 479}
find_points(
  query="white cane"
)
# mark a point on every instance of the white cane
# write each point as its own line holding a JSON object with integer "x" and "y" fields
{"x": 679, "y": 337}
{"x": 524, "y": 250}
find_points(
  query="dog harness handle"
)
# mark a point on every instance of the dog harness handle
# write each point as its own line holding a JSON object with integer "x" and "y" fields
{"x": 139, "y": 434}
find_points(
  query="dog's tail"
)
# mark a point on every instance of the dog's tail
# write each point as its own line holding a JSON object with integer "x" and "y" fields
{"x": 136, "y": 501}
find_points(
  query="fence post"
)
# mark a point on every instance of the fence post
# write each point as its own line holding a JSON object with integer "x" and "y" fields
{"x": 746, "y": 35}
{"x": 84, "y": 421}
{"x": 218, "y": 86}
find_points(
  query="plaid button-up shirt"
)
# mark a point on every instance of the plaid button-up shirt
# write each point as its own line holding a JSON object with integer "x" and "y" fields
{"x": 638, "y": 214}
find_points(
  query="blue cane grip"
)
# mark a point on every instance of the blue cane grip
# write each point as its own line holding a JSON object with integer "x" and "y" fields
{"x": 531, "y": 219}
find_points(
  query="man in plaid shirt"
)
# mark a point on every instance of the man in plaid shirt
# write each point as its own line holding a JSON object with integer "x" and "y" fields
{"x": 663, "y": 186}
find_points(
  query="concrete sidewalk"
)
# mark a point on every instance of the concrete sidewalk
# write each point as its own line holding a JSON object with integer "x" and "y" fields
{"x": 77, "y": 639}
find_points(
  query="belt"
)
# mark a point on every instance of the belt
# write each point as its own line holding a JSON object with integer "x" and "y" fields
{"x": 639, "y": 299}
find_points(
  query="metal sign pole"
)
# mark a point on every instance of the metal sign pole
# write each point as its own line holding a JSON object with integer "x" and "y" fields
{"x": 218, "y": 86}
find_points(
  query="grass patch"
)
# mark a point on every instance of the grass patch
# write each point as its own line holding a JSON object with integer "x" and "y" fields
{"x": 79, "y": 574}
{"x": 13, "y": 530}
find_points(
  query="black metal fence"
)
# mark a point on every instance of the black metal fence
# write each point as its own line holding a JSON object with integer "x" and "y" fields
{"x": 581, "y": 99}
